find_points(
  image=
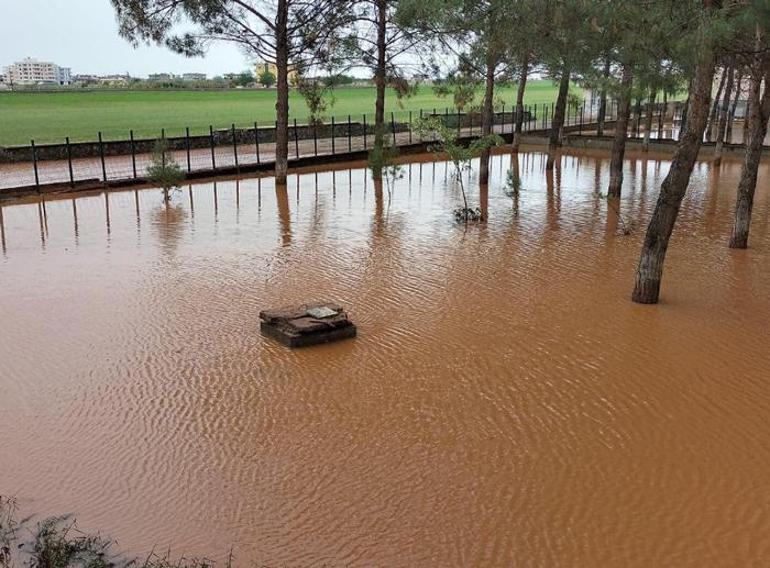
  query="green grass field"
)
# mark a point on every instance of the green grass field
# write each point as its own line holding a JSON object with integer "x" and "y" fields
{"x": 50, "y": 117}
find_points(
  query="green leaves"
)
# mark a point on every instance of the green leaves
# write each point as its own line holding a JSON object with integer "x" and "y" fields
{"x": 164, "y": 171}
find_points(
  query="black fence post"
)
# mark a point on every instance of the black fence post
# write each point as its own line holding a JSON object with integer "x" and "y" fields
{"x": 211, "y": 143}
{"x": 459, "y": 122}
{"x": 660, "y": 122}
{"x": 393, "y": 126}
{"x": 420, "y": 123}
{"x": 529, "y": 114}
{"x": 101, "y": 157}
{"x": 582, "y": 115}
{"x": 256, "y": 140}
{"x": 69, "y": 162}
{"x": 133, "y": 152}
{"x": 410, "y": 126}
{"x": 502, "y": 122}
{"x": 163, "y": 146}
{"x": 638, "y": 113}
{"x": 296, "y": 140}
{"x": 332, "y": 135}
{"x": 34, "y": 164}
{"x": 235, "y": 148}
{"x": 364, "y": 131}
{"x": 187, "y": 148}
{"x": 350, "y": 135}
{"x": 315, "y": 136}
{"x": 492, "y": 120}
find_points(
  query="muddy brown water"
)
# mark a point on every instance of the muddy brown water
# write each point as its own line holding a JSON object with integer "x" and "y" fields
{"x": 504, "y": 405}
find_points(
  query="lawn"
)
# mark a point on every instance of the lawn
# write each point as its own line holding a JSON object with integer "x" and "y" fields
{"x": 50, "y": 117}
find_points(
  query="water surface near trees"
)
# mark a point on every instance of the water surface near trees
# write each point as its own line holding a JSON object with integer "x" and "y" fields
{"x": 504, "y": 404}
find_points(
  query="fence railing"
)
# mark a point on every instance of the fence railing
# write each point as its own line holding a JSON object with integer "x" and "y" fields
{"x": 230, "y": 149}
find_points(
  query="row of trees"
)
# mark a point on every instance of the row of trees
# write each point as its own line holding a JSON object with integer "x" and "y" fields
{"x": 630, "y": 50}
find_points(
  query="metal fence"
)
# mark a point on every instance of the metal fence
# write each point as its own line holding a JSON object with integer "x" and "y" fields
{"x": 229, "y": 150}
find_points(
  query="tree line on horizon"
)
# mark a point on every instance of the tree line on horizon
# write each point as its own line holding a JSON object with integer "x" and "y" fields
{"x": 625, "y": 50}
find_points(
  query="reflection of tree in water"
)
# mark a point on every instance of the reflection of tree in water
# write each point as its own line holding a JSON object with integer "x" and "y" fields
{"x": 378, "y": 223}
{"x": 484, "y": 201}
{"x": 284, "y": 213}
{"x": 168, "y": 221}
{"x": 2, "y": 229}
{"x": 553, "y": 197}
{"x": 514, "y": 182}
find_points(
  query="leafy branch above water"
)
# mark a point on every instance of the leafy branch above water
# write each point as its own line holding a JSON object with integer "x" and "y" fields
{"x": 164, "y": 171}
{"x": 448, "y": 143}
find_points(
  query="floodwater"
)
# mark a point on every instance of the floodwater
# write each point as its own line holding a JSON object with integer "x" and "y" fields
{"x": 504, "y": 405}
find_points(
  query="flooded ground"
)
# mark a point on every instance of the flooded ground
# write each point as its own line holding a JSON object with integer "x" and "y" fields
{"x": 504, "y": 405}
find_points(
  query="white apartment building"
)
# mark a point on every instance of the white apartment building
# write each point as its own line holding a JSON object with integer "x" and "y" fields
{"x": 194, "y": 76}
{"x": 32, "y": 72}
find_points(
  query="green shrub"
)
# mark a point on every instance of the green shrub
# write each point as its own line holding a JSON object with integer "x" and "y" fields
{"x": 164, "y": 171}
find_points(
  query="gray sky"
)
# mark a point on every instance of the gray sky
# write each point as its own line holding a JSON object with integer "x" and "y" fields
{"x": 83, "y": 35}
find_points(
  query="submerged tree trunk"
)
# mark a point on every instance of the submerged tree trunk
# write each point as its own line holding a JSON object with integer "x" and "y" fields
{"x": 282, "y": 93}
{"x": 723, "y": 111}
{"x": 672, "y": 191}
{"x": 379, "y": 83}
{"x": 554, "y": 138}
{"x": 712, "y": 124}
{"x": 487, "y": 116}
{"x": 621, "y": 133}
{"x": 648, "y": 119}
{"x": 758, "y": 115}
{"x": 520, "y": 105}
{"x": 733, "y": 108}
{"x": 601, "y": 116}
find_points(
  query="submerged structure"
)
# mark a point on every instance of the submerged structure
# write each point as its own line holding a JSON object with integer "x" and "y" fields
{"x": 307, "y": 324}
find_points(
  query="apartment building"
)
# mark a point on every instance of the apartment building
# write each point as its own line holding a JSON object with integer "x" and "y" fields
{"x": 263, "y": 67}
{"x": 30, "y": 71}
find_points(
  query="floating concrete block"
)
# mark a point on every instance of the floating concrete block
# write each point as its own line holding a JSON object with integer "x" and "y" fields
{"x": 307, "y": 324}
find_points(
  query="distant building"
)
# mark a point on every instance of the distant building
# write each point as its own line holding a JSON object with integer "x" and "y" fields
{"x": 30, "y": 71}
{"x": 114, "y": 79}
{"x": 160, "y": 77}
{"x": 83, "y": 78}
{"x": 262, "y": 67}
{"x": 194, "y": 77}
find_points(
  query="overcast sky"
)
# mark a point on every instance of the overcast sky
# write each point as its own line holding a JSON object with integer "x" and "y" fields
{"x": 83, "y": 35}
